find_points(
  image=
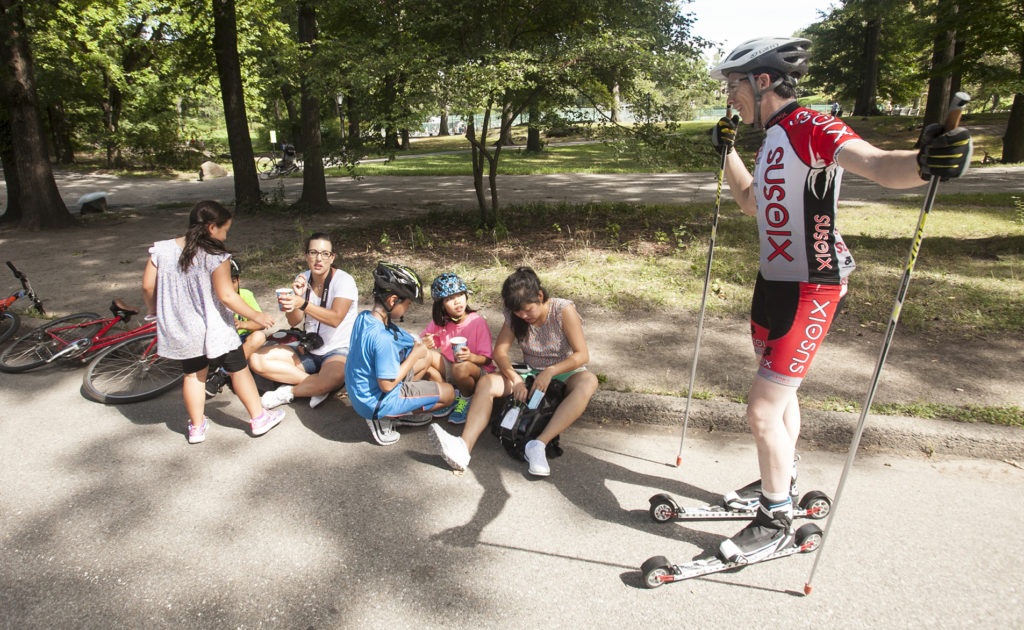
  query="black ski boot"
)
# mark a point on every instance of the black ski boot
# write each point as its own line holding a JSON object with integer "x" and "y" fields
{"x": 770, "y": 531}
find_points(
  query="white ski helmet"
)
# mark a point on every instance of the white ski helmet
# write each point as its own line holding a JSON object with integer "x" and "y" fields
{"x": 785, "y": 55}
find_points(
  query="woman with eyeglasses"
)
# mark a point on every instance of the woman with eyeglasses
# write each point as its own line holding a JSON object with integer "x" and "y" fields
{"x": 324, "y": 303}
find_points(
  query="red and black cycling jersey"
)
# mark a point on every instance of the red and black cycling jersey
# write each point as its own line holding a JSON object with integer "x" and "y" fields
{"x": 796, "y": 185}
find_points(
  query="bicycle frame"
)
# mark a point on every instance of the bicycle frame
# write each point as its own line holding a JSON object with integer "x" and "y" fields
{"x": 99, "y": 340}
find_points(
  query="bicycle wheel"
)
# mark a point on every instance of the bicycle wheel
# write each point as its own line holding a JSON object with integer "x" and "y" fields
{"x": 130, "y": 371}
{"x": 9, "y": 323}
{"x": 264, "y": 165}
{"x": 66, "y": 337}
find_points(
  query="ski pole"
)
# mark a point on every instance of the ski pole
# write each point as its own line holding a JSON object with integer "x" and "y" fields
{"x": 704, "y": 296}
{"x": 960, "y": 99}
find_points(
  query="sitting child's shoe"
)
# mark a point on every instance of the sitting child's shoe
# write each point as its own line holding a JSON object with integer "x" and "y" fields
{"x": 458, "y": 415}
{"x": 383, "y": 431}
{"x": 215, "y": 382}
{"x": 536, "y": 456}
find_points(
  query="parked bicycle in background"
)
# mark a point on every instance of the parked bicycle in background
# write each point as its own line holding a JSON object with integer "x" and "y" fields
{"x": 270, "y": 166}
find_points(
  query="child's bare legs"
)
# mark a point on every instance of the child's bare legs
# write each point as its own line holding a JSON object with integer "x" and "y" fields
{"x": 193, "y": 390}
{"x": 446, "y": 398}
{"x": 245, "y": 388}
{"x": 465, "y": 376}
{"x": 489, "y": 387}
{"x": 253, "y": 342}
{"x": 579, "y": 389}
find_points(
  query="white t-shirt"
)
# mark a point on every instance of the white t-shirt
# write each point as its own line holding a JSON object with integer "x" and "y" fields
{"x": 342, "y": 286}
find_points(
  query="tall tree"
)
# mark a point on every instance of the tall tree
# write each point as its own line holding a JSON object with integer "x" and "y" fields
{"x": 943, "y": 55}
{"x": 314, "y": 187}
{"x": 40, "y": 202}
{"x": 225, "y": 45}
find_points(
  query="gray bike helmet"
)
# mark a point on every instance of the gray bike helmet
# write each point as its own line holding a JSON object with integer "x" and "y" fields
{"x": 783, "y": 57}
{"x": 395, "y": 279}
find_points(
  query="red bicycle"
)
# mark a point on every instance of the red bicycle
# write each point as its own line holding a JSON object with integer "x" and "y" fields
{"x": 9, "y": 320}
{"x": 123, "y": 366}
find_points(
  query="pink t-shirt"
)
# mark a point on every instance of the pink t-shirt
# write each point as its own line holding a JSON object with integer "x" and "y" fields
{"x": 473, "y": 327}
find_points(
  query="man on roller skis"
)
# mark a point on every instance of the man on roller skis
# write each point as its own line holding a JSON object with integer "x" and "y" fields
{"x": 804, "y": 262}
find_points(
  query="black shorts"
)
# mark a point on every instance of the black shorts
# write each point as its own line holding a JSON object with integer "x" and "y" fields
{"x": 232, "y": 362}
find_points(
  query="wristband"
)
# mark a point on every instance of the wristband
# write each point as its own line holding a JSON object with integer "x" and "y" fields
{"x": 304, "y": 305}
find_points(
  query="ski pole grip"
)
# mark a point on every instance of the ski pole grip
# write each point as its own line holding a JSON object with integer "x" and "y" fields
{"x": 956, "y": 109}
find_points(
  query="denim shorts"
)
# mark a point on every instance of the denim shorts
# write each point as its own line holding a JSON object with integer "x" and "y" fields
{"x": 311, "y": 362}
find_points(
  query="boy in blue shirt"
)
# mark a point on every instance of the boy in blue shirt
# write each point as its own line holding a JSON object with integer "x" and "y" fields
{"x": 386, "y": 365}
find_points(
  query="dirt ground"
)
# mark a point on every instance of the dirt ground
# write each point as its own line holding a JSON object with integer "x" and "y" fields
{"x": 84, "y": 268}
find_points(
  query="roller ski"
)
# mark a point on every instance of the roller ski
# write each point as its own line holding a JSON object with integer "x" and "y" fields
{"x": 814, "y": 504}
{"x": 769, "y": 536}
{"x": 658, "y": 570}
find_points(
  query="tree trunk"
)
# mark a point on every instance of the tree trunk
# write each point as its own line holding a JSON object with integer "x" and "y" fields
{"x": 354, "y": 139}
{"x": 39, "y": 200}
{"x": 1013, "y": 139}
{"x": 616, "y": 116}
{"x": 314, "y": 186}
{"x": 7, "y": 160}
{"x": 533, "y": 142}
{"x": 225, "y": 47}
{"x": 942, "y": 57}
{"x": 868, "y": 92}
{"x": 60, "y": 133}
{"x": 505, "y": 131}
{"x": 442, "y": 126}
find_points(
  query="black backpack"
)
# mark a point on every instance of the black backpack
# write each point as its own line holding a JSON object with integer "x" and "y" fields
{"x": 530, "y": 422}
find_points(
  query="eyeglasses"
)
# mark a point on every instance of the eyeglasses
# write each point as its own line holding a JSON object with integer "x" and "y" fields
{"x": 315, "y": 254}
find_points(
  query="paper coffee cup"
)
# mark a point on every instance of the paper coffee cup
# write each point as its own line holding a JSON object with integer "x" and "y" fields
{"x": 283, "y": 293}
{"x": 458, "y": 343}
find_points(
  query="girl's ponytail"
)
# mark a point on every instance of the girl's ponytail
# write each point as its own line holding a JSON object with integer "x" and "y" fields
{"x": 204, "y": 214}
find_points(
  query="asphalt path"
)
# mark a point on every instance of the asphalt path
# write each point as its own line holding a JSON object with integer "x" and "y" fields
{"x": 413, "y": 194}
{"x": 109, "y": 519}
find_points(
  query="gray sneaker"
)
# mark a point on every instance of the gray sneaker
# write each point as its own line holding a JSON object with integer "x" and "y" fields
{"x": 277, "y": 397}
{"x": 383, "y": 431}
{"x": 452, "y": 449}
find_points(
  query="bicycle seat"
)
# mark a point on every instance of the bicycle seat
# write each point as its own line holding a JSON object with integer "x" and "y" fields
{"x": 122, "y": 310}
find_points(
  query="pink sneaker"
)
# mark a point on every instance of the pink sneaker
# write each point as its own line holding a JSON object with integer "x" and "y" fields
{"x": 198, "y": 434}
{"x": 266, "y": 421}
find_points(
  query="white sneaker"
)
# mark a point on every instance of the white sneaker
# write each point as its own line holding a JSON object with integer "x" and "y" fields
{"x": 537, "y": 458}
{"x": 453, "y": 449}
{"x": 314, "y": 401}
{"x": 277, "y": 397}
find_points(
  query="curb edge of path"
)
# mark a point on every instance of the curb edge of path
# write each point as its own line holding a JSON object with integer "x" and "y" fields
{"x": 829, "y": 429}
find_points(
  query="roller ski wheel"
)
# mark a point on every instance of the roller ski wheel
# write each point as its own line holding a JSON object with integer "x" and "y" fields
{"x": 663, "y": 509}
{"x": 658, "y": 570}
{"x": 814, "y": 504}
